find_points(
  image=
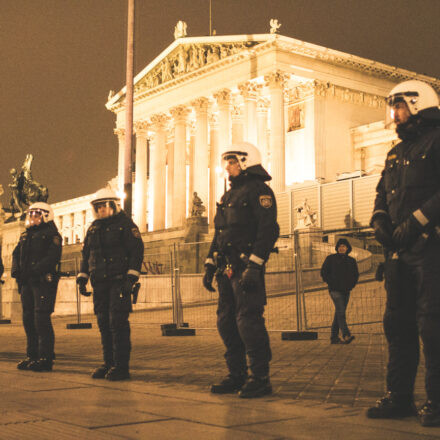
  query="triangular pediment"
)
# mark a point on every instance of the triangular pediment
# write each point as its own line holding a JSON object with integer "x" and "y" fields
{"x": 187, "y": 55}
{"x": 187, "y": 58}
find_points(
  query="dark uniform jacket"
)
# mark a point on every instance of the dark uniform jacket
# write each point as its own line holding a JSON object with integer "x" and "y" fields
{"x": 246, "y": 218}
{"x": 340, "y": 271}
{"x": 113, "y": 248}
{"x": 37, "y": 254}
{"x": 411, "y": 178}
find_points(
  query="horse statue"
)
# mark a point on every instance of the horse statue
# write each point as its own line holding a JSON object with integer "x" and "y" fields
{"x": 25, "y": 190}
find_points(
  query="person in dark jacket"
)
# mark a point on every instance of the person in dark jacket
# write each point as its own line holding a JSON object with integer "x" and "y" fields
{"x": 35, "y": 262}
{"x": 406, "y": 221}
{"x": 340, "y": 272}
{"x": 112, "y": 257}
{"x": 246, "y": 230}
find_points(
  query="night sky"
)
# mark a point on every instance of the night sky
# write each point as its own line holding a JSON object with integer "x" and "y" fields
{"x": 60, "y": 58}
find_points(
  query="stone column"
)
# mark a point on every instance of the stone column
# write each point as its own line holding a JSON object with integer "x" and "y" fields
{"x": 170, "y": 179}
{"x": 237, "y": 124}
{"x": 120, "y": 133}
{"x": 223, "y": 98}
{"x": 179, "y": 114}
{"x": 262, "y": 132}
{"x": 214, "y": 167}
{"x": 201, "y": 158}
{"x": 190, "y": 162}
{"x": 275, "y": 81}
{"x": 157, "y": 174}
{"x": 249, "y": 91}
{"x": 140, "y": 183}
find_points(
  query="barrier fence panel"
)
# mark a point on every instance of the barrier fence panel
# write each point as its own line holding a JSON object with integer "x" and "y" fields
{"x": 155, "y": 298}
{"x": 198, "y": 305}
{"x": 367, "y": 300}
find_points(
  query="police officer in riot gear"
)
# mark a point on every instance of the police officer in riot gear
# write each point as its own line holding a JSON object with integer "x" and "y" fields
{"x": 406, "y": 221}
{"x": 246, "y": 230}
{"x": 35, "y": 262}
{"x": 112, "y": 257}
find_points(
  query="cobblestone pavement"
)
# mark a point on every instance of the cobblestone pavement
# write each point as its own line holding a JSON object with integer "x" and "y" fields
{"x": 320, "y": 390}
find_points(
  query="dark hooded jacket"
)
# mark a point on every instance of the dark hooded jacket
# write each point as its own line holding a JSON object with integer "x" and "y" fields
{"x": 113, "y": 248}
{"x": 37, "y": 253}
{"x": 340, "y": 271}
{"x": 246, "y": 217}
{"x": 411, "y": 177}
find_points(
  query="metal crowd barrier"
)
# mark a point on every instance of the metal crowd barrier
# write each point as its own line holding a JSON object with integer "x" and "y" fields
{"x": 172, "y": 292}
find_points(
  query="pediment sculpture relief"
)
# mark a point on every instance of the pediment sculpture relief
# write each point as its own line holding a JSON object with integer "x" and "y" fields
{"x": 187, "y": 58}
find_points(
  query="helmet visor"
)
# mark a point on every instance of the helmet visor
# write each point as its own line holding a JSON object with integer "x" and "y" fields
{"x": 104, "y": 208}
{"x": 34, "y": 217}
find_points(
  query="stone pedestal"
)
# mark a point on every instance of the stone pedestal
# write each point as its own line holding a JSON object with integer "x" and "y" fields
{"x": 10, "y": 304}
{"x": 194, "y": 227}
{"x": 307, "y": 237}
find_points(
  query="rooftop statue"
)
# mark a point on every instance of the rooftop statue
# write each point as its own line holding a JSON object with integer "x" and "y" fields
{"x": 274, "y": 25}
{"x": 180, "y": 30}
{"x": 24, "y": 189}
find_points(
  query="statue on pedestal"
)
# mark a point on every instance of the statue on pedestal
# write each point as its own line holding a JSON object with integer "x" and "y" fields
{"x": 197, "y": 206}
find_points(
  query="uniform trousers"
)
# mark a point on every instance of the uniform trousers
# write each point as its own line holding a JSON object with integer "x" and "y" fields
{"x": 112, "y": 310}
{"x": 240, "y": 323}
{"x": 38, "y": 302}
{"x": 412, "y": 310}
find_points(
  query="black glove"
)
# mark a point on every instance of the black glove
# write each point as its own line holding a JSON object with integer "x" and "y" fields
{"x": 251, "y": 276}
{"x": 82, "y": 283}
{"x": 383, "y": 231}
{"x": 127, "y": 287}
{"x": 407, "y": 233}
{"x": 208, "y": 277}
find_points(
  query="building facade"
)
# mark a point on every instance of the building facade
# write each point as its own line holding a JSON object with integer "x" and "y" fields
{"x": 315, "y": 114}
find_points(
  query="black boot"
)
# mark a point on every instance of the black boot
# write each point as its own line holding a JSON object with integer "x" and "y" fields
{"x": 117, "y": 373}
{"x": 429, "y": 414}
{"x": 256, "y": 387}
{"x": 100, "y": 372}
{"x": 392, "y": 406}
{"x": 229, "y": 385}
{"x": 336, "y": 340}
{"x": 347, "y": 339}
{"x": 42, "y": 364}
{"x": 24, "y": 364}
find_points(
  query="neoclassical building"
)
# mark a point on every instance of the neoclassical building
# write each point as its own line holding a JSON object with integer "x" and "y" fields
{"x": 316, "y": 115}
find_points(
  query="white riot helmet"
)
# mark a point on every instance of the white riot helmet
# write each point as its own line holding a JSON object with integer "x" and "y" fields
{"x": 245, "y": 153}
{"x": 106, "y": 197}
{"x": 40, "y": 208}
{"x": 417, "y": 95}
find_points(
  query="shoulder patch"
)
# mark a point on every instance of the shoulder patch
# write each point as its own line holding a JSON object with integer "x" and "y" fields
{"x": 135, "y": 232}
{"x": 266, "y": 201}
{"x": 57, "y": 240}
{"x": 392, "y": 156}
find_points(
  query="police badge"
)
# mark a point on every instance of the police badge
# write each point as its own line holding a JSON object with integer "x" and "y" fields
{"x": 266, "y": 201}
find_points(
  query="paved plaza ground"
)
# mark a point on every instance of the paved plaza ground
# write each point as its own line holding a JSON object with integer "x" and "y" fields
{"x": 320, "y": 391}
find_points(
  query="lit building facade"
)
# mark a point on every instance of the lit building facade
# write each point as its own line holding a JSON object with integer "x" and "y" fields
{"x": 315, "y": 114}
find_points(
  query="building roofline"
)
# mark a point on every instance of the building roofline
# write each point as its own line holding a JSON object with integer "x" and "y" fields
{"x": 290, "y": 44}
